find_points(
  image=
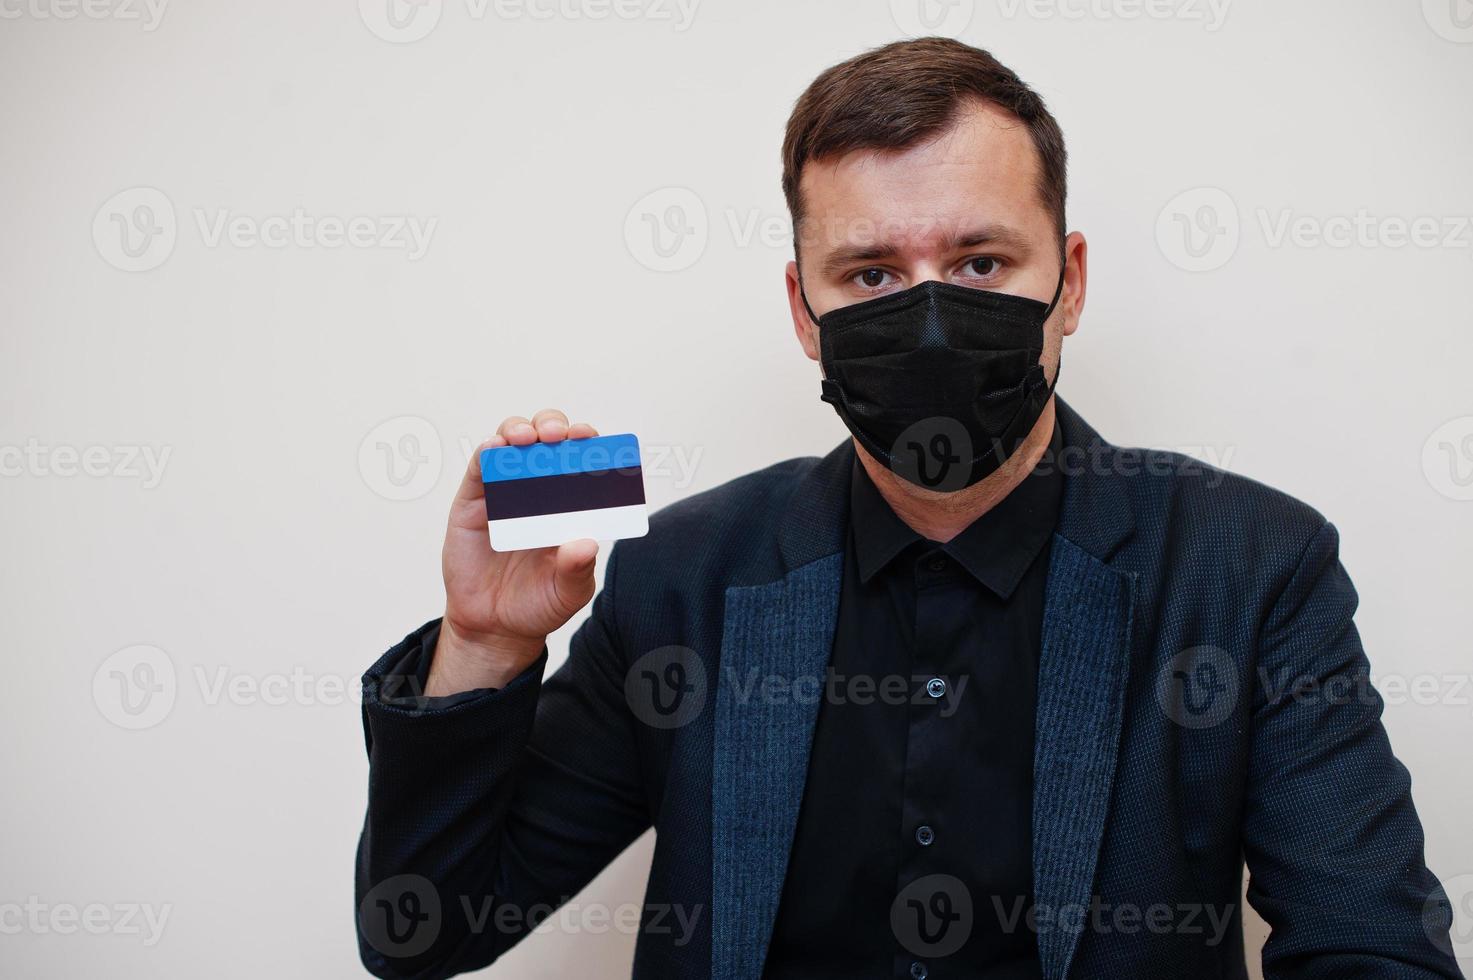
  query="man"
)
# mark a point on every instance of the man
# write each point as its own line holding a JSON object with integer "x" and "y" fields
{"x": 975, "y": 695}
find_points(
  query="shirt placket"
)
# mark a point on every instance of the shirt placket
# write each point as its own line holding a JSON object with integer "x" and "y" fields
{"x": 929, "y": 763}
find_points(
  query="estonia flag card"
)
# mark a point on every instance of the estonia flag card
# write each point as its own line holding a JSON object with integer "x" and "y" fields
{"x": 551, "y": 493}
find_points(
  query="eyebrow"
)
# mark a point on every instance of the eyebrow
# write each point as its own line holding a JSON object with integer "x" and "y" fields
{"x": 985, "y": 235}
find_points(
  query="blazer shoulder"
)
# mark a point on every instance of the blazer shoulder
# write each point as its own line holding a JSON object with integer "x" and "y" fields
{"x": 1180, "y": 501}
{"x": 1206, "y": 506}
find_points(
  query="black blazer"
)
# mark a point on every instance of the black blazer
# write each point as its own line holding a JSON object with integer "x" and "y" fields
{"x": 1201, "y": 700}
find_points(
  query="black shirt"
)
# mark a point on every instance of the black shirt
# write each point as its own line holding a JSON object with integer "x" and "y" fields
{"x": 917, "y": 814}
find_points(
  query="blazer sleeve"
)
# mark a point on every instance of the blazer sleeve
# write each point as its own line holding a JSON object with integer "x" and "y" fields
{"x": 1333, "y": 844}
{"x": 488, "y": 810}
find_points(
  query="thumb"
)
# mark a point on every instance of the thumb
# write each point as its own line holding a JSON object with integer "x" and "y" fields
{"x": 573, "y": 572}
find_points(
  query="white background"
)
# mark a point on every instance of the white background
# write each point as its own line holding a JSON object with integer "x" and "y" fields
{"x": 270, "y": 547}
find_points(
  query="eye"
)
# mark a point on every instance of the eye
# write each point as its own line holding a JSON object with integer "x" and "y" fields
{"x": 872, "y": 278}
{"x": 983, "y": 266}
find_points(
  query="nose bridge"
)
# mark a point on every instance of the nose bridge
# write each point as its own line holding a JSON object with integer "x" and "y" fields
{"x": 928, "y": 260}
{"x": 922, "y": 248}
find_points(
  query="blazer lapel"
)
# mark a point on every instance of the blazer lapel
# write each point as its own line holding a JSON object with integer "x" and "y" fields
{"x": 781, "y": 633}
{"x": 1083, "y": 668}
{"x": 776, "y": 641}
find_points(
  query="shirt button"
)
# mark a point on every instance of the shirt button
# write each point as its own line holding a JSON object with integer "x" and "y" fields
{"x": 919, "y": 971}
{"x": 925, "y": 835}
{"x": 936, "y": 564}
{"x": 936, "y": 687}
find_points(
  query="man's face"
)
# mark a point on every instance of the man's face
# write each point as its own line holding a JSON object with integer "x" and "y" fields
{"x": 962, "y": 208}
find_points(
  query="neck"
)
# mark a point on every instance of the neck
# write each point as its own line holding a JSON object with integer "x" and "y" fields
{"x": 942, "y": 516}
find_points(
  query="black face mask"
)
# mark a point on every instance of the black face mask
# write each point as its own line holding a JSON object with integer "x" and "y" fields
{"x": 939, "y": 382}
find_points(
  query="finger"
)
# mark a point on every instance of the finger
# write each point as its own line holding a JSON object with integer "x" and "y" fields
{"x": 471, "y": 487}
{"x": 551, "y": 425}
{"x": 573, "y": 575}
{"x": 581, "y": 430}
{"x": 517, "y": 431}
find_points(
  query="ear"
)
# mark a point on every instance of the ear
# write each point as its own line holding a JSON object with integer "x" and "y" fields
{"x": 1076, "y": 281}
{"x": 803, "y": 325}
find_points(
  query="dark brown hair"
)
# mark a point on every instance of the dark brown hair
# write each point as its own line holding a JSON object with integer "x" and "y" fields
{"x": 893, "y": 97}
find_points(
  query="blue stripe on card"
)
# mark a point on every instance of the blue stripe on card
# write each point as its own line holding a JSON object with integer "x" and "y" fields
{"x": 553, "y": 459}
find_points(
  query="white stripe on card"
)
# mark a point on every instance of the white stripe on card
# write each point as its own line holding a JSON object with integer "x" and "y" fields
{"x": 545, "y": 530}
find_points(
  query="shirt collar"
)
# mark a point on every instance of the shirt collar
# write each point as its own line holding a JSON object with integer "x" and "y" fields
{"x": 996, "y": 548}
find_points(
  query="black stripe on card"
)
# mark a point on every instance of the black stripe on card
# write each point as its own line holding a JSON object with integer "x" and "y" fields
{"x": 564, "y": 492}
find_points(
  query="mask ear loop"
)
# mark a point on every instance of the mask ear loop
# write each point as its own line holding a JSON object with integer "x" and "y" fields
{"x": 804, "y": 293}
{"x": 1058, "y": 292}
{"x": 1037, "y": 370}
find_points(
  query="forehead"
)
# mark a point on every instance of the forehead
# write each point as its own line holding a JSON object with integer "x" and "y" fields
{"x": 984, "y": 168}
